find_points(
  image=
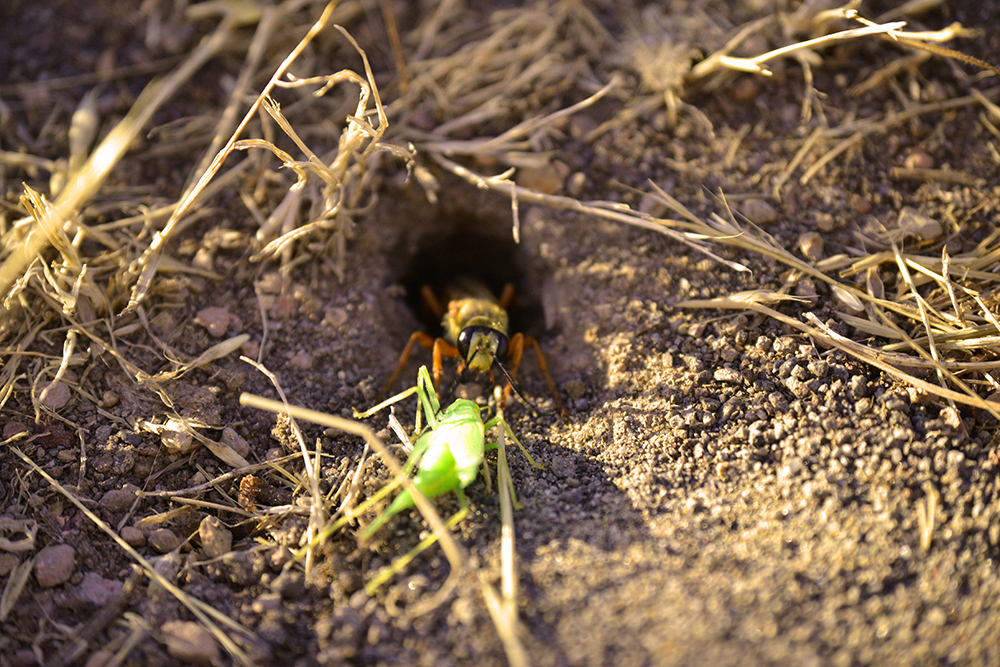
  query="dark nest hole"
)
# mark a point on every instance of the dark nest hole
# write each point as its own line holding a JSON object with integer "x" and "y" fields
{"x": 459, "y": 243}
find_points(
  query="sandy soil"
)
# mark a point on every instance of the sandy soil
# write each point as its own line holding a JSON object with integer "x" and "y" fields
{"x": 723, "y": 491}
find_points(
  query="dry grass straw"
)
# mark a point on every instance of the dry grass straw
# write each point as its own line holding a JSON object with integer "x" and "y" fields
{"x": 216, "y": 622}
{"x": 939, "y": 298}
{"x": 470, "y": 79}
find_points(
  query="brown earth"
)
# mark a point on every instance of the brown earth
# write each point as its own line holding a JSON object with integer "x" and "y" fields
{"x": 723, "y": 492}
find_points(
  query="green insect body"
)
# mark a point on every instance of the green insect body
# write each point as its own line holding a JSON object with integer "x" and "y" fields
{"x": 448, "y": 454}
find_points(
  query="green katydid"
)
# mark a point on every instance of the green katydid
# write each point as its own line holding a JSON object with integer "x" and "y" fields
{"x": 447, "y": 455}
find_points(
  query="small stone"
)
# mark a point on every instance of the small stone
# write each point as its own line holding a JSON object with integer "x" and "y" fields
{"x": 728, "y": 375}
{"x": 215, "y": 320}
{"x": 574, "y": 186}
{"x": 97, "y": 590}
{"x": 230, "y": 438}
{"x": 914, "y": 223}
{"x": 335, "y": 317}
{"x": 575, "y": 389}
{"x": 216, "y": 539}
{"x": 133, "y": 536}
{"x": 176, "y": 439}
{"x": 119, "y": 500}
{"x": 163, "y": 540}
{"x": 279, "y": 557}
{"x": 744, "y": 89}
{"x": 825, "y": 222}
{"x": 203, "y": 259}
{"x": 7, "y": 563}
{"x": 303, "y": 361}
{"x": 109, "y": 399}
{"x": 790, "y": 469}
{"x": 758, "y": 211}
{"x": 818, "y": 368}
{"x": 811, "y": 246}
{"x": 918, "y": 160}
{"x": 189, "y": 642}
{"x": 242, "y": 568}
{"x": 545, "y": 179}
{"x": 55, "y": 395}
{"x": 10, "y": 429}
{"x": 54, "y": 565}
{"x": 164, "y": 323}
{"x": 250, "y": 349}
{"x": 951, "y": 418}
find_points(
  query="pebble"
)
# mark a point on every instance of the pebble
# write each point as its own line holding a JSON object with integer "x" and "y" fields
{"x": 279, "y": 557}
{"x": 758, "y": 211}
{"x": 242, "y": 568}
{"x": 7, "y": 563}
{"x": 335, "y": 317}
{"x": 215, "y": 320}
{"x": 729, "y": 375}
{"x": 216, "y": 539}
{"x": 250, "y": 349}
{"x": 790, "y": 469}
{"x": 230, "y": 438}
{"x": 303, "y": 361}
{"x": 918, "y": 160}
{"x": 189, "y": 642}
{"x": 176, "y": 439}
{"x": 545, "y": 179}
{"x": 54, "y": 565}
{"x": 811, "y": 246}
{"x": 55, "y": 396}
{"x": 119, "y": 500}
{"x": 133, "y": 536}
{"x": 164, "y": 323}
{"x": 914, "y": 223}
{"x": 10, "y": 429}
{"x": 109, "y": 399}
{"x": 574, "y": 186}
{"x": 97, "y": 590}
{"x": 163, "y": 540}
{"x": 575, "y": 389}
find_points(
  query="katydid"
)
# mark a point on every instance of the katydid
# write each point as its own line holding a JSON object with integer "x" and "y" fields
{"x": 448, "y": 453}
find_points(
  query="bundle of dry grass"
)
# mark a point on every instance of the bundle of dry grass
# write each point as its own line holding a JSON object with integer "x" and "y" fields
{"x": 467, "y": 97}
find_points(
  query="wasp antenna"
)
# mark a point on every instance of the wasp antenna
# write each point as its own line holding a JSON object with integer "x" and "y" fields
{"x": 454, "y": 384}
{"x": 513, "y": 384}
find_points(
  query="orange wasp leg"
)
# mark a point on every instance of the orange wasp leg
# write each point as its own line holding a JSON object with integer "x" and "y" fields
{"x": 441, "y": 348}
{"x": 517, "y": 343}
{"x": 425, "y": 340}
{"x": 438, "y": 346}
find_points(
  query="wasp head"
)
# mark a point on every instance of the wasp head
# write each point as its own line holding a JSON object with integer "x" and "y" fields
{"x": 480, "y": 345}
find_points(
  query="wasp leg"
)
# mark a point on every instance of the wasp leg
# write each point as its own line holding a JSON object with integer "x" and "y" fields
{"x": 441, "y": 348}
{"x": 506, "y": 299}
{"x": 517, "y": 343}
{"x": 431, "y": 302}
{"x": 425, "y": 340}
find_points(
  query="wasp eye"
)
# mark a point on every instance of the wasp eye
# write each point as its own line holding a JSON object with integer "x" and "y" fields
{"x": 465, "y": 340}
{"x": 501, "y": 352}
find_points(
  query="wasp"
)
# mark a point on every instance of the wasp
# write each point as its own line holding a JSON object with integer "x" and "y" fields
{"x": 475, "y": 329}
